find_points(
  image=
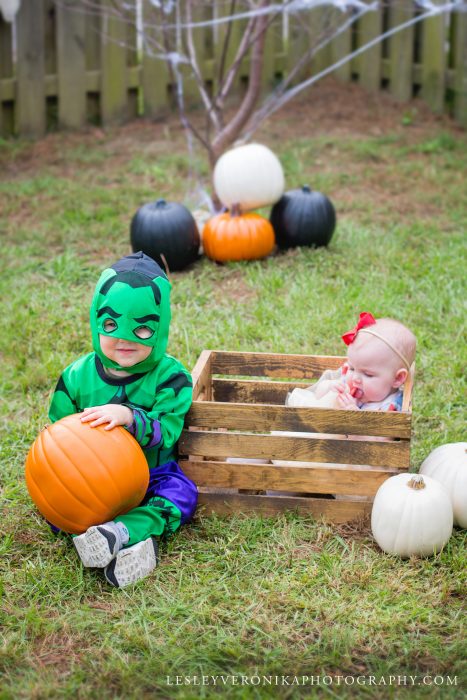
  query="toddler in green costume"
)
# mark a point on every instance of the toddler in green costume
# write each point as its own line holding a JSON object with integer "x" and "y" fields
{"x": 130, "y": 380}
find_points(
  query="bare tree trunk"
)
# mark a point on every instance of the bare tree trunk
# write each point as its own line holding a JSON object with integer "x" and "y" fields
{"x": 232, "y": 130}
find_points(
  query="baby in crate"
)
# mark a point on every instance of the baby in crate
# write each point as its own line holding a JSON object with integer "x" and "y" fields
{"x": 379, "y": 357}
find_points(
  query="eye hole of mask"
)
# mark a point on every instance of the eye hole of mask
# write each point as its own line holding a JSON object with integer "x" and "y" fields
{"x": 143, "y": 332}
{"x": 109, "y": 325}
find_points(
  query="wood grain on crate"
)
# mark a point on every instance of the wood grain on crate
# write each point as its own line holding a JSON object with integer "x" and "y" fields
{"x": 320, "y": 478}
{"x": 329, "y": 509}
{"x": 201, "y": 376}
{"x": 251, "y": 391}
{"x": 305, "y": 449}
{"x": 266, "y": 364}
{"x": 266, "y": 417}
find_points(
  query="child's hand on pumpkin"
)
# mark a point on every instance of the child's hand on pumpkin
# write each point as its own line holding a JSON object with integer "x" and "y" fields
{"x": 345, "y": 399}
{"x": 113, "y": 414}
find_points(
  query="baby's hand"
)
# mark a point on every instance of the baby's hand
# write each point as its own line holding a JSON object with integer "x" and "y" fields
{"x": 345, "y": 400}
{"x": 325, "y": 386}
{"x": 113, "y": 414}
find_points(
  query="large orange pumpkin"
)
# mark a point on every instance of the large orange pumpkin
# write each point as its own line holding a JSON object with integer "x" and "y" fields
{"x": 244, "y": 237}
{"x": 80, "y": 476}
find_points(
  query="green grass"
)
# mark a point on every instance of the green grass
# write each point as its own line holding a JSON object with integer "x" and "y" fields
{"x": 243, "y": 595}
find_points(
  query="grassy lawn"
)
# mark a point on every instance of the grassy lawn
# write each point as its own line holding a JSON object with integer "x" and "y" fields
{"x": 246, "y": 596}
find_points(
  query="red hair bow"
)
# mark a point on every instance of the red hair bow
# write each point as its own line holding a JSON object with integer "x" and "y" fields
{"x": 366, "y": 319}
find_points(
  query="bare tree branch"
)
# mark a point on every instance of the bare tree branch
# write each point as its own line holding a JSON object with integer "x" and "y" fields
{"x": 210, "y": 111}
{"x": 233, "y": 128}
{"x": 226, "y": 43}
{"x": 245, "y": 43}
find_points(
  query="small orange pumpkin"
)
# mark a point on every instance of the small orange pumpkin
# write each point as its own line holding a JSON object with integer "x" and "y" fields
{"x": 80, "y": 476}
{"x": 244, "y": 237}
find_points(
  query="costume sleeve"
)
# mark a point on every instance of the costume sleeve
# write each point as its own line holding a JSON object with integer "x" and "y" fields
{"x": 62, "y": 403}
{"x": 162, "y": 424}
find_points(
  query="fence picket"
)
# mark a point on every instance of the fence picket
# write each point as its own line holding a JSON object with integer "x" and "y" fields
{"x": 341, "y": 46}
{"x": 319, "y": 23}
{"x": 132, "y": 61}
{"x": 370, "y": 25}
{"x": 434, "y": 62}
{"x": 400, "y": 52}
{"x": 71, "y": 68}
{"x": 113, "y": 87}
{"x": 460, "y": 68}
{"x": 31, "y": 69}
{"x": 155, "y": 73}
{"x": 6, "y": 73}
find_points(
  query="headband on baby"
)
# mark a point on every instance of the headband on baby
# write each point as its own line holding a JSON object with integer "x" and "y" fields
{"x": 366, "y": 319}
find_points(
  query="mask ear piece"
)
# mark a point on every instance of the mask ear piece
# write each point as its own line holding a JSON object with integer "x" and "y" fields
{"x": 401, "y": 376}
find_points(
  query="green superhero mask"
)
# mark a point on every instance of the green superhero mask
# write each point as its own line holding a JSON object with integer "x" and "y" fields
{"x": 132, "y": 302}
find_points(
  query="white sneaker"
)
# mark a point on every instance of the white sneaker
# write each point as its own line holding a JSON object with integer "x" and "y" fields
{"x": 98, "y": 545}
{"x": 132, "y": 563}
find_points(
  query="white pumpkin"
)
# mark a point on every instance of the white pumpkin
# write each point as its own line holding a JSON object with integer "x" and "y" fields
{"x": 448, "y": 465}
{"x": 249, "y": 176}
{"x": 411, "y": 514}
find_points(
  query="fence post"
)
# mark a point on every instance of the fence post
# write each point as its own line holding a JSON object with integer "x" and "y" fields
{"x": 155, "y": 76}
{"x": 114, "y": 97}
{"x": 341, "y": 46}
{"x": 71, "y": 67}
{"x": 30, "y": 92}
{"x": 191, "y": 91}
{"x": 401, "y": 51}
{"x": 370, "y": 26}
{"x": 7, "y": 124}
{"x": 460, "y": 68}
{"x": 434, "y": 62}
{"x": 269, "y": 56}
{"x": 320, "y": 23}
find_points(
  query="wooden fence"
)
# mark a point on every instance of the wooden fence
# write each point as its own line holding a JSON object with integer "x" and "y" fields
{"x": 60, "y": 68}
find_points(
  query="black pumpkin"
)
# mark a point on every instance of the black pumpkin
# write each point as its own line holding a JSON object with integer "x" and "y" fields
{"x": 303, "y": 218}
{"x": 168, "y": 229}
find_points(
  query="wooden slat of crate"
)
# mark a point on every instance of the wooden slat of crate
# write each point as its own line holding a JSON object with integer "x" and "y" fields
{"x": 265, "y": 417}
{"x": 328, "y": 509}
{"x": 321, "y": 478}
{"x": 338, "y": 451}
{"x": 259, "y": 364}
{"x": 251, "y": 391}
{"x": 201, "y": 375}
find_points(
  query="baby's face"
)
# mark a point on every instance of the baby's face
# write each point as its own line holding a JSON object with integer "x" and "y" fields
{"x": 123, "y": 352}
{"x": 372, "y": 370}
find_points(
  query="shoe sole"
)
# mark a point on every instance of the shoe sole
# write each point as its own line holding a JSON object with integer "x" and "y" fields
{"x": 132, "y": 564}
{"x": 96, "y": 547}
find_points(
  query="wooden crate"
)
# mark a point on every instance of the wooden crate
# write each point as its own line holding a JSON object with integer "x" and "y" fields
{"x": 334, "y": 473}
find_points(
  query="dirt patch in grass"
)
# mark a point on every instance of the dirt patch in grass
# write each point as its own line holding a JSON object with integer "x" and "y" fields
{"x": 330, "y": 108}
{"x": 233, "y": 288}
{"x": 346, "y": 108}
{"x": 59, "y": 651}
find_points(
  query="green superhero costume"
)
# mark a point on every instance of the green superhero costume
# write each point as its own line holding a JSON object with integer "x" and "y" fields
{"x": 132, "y": 302}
